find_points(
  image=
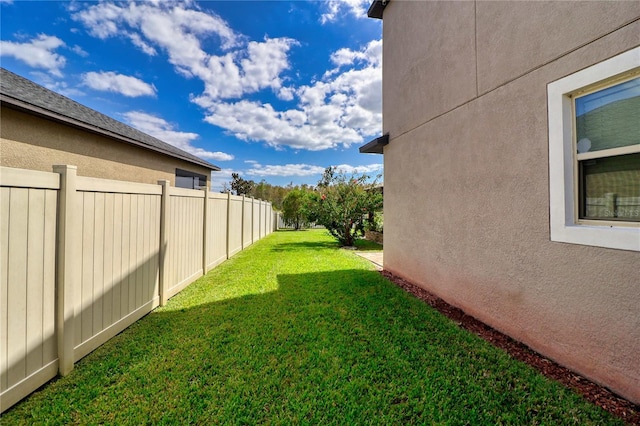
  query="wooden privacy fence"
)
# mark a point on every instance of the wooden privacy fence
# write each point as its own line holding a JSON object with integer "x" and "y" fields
{"x": 81, "y": 259}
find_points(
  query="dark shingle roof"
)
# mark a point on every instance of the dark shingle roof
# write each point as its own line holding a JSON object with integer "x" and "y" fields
{"x": 19, "y": 93}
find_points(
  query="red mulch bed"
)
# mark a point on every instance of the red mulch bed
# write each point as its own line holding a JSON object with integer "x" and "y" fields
{"x": 593, "y": 392}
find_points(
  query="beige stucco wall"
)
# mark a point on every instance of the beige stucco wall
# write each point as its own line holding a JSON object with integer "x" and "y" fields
{"x": 466, "y": 175}
{"x": 30, "y": 142}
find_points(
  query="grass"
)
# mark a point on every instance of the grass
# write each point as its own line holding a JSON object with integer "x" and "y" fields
{"x": 366, "y": 245}
{"x": 296, "y": 331}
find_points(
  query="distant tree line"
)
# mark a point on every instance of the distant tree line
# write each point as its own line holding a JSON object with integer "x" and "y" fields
{"x": 261, "y": 190}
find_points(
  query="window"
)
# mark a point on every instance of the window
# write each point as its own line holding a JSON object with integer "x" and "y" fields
{"x": 607, "y": 123}
{"x": 594, "y": 154}
{"x": 190, "y": 180}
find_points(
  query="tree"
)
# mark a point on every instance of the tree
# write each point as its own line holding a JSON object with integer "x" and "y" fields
{"x": 293, "y": 212}
{"x": 226, "y": 188}
{"x": 345, "y": 203}
{"x": 261, "y": 190}
{"x": 299, "y": 207}
{"x": 242, "y": 186}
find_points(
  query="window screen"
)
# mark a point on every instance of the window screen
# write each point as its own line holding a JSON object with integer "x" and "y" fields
{"x": 190, "y": 180}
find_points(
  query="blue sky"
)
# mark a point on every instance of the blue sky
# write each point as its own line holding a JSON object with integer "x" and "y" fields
{"x": 274, "y": 90}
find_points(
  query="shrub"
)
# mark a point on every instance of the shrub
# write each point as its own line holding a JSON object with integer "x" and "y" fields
{"x": 375, "y": 222}
{"x": 345, "y": 203}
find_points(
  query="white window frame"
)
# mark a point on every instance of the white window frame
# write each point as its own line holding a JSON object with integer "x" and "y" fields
{"x": 564, "y": 225}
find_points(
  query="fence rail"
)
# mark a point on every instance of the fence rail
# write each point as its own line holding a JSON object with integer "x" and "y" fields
{"x": 83, "y": 258}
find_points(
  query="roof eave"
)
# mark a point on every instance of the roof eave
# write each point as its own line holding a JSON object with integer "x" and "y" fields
{"x": 375, "y": 146}
{"x": 376, "y": 9}
{"x": 42, "y": 112}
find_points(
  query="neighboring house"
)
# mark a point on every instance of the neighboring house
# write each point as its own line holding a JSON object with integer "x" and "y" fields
{"x": 41, "y": 128}
{"x": 512, "y": 170}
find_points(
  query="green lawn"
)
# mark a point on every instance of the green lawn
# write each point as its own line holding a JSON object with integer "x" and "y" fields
{"x": 296, "y": 331}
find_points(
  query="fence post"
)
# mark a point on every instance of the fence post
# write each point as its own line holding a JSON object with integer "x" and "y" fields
{"x": 260, "y": 218}
{"x": 164, "y": 241}
{"x": 253, "y": 212}
{"x": 242, "y": 225}
{"x": 205, "y": 227}
{"x": 67, "y": 260}
{"x": 228, "y": 221}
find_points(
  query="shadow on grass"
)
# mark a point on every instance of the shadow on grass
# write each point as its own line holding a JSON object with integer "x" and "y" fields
{"x": 304, "y": 245}
{"x": 297, "y": 230}
{"x": 360, "y": 244}
{"x": 340, "y": 346}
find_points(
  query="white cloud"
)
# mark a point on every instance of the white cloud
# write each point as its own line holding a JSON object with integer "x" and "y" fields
{"x": 303, "y": 170}
{"x": 163, "y": 130}
{"x": 118, "y": 83}
{"x": 37, "y": 53}
{"x": 286, "y": 93}
{"x": 55, "y": 85}
{"x": 253, "y": 121}
{"x": 285, "y": 170}
{"x": 241, "y": 72}
{"x": 265, "y": 61}
{"x": 79, "y": 51}
{"x": 209, "y": 155}
{"x": 180, "y": 30}
{"x": 348, "y": 169}
{"x": 371, "y": 53}
{"x": 339, "y": 110}
{"x": 335, "y": 8}
{"x": 142, "y": 45}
